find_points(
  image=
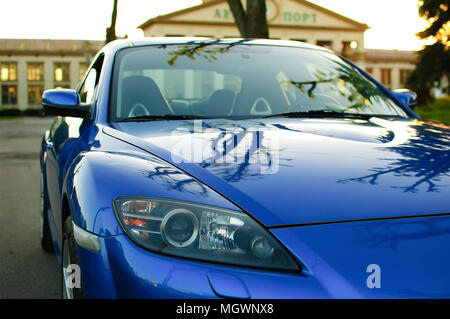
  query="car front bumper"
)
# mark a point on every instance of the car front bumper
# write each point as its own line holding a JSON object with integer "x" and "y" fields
{"x": 123, "y": 270}
{"x": 411, "y": 253}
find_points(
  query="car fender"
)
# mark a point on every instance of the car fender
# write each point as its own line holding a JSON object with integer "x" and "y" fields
{"x": 96, "y": 178}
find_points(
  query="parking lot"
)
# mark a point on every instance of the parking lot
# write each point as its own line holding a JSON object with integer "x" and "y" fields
{"x": 26, "y": 271}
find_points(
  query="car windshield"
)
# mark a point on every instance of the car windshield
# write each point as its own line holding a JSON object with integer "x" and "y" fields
{"x": 236, "y": 80}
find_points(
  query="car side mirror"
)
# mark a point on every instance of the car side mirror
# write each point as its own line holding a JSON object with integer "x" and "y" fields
{"x": 64, "y": 102}
{"x": 406, "y": 96}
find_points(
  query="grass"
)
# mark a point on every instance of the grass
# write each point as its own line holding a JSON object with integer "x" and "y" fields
{"x": 439, "y": 110}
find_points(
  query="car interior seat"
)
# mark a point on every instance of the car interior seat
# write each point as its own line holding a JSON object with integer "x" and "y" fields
{"x": 142, "y": 96}
{"x": 218, "y": 104}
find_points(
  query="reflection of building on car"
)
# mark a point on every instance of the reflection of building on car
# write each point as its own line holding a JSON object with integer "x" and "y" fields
{"x": 237, "y": 86}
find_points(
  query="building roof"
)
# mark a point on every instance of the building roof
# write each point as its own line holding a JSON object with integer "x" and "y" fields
{"x": 379, "y": 55}
{"x": 49, "y": 47}
{"x": 166, "y": 18}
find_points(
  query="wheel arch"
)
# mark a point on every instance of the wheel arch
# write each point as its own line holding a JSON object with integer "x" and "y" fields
{"x": 96, "y": 178}
{"x": 65, "y": 210}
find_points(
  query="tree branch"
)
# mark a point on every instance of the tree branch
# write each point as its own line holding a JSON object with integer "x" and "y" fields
{"x": 256, "y": 19}
{"x": 240, "y": 17}
{"x": 111, "y": 31}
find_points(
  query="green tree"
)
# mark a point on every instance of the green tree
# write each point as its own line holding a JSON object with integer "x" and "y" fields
{"x": 111, "y": 31}
{"x": 252, "y": 23}
{"x": 434, "y": 60}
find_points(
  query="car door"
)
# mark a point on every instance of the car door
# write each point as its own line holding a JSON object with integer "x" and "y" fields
{"x": 62, "y": 141}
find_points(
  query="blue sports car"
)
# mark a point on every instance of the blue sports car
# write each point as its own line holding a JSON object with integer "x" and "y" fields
{"x": 202, "y": 168}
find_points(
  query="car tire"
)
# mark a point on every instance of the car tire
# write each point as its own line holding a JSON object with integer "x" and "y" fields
{"x": 70, "y": 257}
{"x": 46, "y": 236}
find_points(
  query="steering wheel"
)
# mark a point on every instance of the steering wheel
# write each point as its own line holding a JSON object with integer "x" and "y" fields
{"x": 138, "y": 109}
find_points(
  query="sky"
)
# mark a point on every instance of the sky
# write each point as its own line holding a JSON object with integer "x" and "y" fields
{"x": 393, "y": 23}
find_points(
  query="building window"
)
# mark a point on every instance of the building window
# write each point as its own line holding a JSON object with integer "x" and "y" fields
{"x": 8, "y": 78}
{"x": 347, "y": 48}
{"x": 62, "y": 72}
{"x": 386, "y": 78}
{"x": 175, "y": 35}
{"x": 404, "y": 75}
{"x": 35, "y": 72}
{"x": 82, "y": 70}
{"x": 35, "y": 95}
{"x": 62, "y": 86}
{"x": 207, "y": 83}
{"x": 325, "y": 43}
{"x": 9, "y": 95}
{"x": 8, "y": 71}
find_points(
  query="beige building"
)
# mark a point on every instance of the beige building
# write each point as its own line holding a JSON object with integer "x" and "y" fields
{"x": 288, "y": 20}
{"x": 390, "y": 67}
{"x": 28, "y": 67}
{"x": 297, "y": 20}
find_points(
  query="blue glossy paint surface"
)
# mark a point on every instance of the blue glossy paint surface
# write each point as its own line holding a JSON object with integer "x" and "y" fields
{"x": 312, "y": 171}
{"x": 323, "y": 169}
{"x": 406, "y": 97}
{"x": 412, "y": 254}
{"x": 63, "y": 97}
{"x": 336, "y": 257}
{"x": 179, "y": 278}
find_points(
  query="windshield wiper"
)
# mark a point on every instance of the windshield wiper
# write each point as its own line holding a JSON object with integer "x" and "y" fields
{"x": 323, "y": 114}
{"x": 144, "y": 118}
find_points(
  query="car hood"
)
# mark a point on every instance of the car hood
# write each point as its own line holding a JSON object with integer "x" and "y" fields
{"x": 304, "y": 171}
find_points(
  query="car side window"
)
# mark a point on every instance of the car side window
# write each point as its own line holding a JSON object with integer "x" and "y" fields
{"x": 89, "y": 88}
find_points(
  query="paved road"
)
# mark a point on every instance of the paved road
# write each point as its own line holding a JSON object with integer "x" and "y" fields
{"x": 25, "y": 270}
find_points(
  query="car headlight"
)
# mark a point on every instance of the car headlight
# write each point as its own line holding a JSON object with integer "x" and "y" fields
{"x": 200, "y": 232}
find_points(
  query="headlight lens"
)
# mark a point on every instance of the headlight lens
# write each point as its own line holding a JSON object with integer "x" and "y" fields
{"x": 200, "y": 232}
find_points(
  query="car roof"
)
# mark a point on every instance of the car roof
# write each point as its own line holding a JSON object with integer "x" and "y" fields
{"x": 197, "y": 40}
